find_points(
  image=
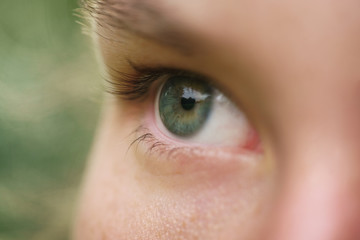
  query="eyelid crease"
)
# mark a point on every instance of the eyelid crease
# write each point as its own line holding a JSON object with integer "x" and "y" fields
{"x": 135, "y": 86}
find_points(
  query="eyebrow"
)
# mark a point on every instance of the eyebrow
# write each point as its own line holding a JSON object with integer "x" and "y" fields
{"x": 143, "y": 19}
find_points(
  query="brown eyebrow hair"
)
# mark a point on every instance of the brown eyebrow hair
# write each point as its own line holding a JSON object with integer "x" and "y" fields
{"x": 140, "y": 18}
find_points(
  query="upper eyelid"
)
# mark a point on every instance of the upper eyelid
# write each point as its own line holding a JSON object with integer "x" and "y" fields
{"x": 135, "y": 86}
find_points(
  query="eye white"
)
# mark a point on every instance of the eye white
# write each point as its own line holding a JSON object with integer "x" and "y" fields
{"x": 226, "y": 125}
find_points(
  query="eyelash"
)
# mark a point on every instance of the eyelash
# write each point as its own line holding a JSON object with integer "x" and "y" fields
{"x": 154, "y": 144}
{"x": 135, "y": 86}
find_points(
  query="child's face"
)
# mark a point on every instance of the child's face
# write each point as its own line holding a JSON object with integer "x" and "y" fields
{"x": 173, "y": 157}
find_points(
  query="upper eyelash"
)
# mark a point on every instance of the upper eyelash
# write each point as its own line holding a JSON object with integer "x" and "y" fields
{"x": 129, "y": 86}
{"x": 135, "y": 86}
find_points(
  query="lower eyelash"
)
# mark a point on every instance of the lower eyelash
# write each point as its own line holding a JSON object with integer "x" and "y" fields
{"x": 162, "y": 150}
{"x": 153, "y": 144}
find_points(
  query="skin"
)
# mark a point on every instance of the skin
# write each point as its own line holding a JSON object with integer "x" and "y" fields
{"x": 293, "y": 68}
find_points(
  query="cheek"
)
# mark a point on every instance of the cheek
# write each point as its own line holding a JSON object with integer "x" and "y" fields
{"x": 128, "y": 211}
{"x": 122, "y": 200}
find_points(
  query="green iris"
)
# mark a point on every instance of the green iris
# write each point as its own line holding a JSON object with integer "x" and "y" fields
{"x": 185, "y": 104}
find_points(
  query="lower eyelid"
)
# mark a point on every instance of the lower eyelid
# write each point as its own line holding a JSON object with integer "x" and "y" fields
{"x": 163, "y": 158}
{"x": 252, "y": 144}
{"x": 157, "y": 147}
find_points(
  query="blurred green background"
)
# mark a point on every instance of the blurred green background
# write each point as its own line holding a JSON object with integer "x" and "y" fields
{"x": 49, "y": 102}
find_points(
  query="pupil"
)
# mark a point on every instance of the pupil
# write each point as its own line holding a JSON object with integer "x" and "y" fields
{"x": 187, "y": 103}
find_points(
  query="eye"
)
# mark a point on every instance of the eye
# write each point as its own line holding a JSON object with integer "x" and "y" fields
{"x": 188, "y": 109}
{"x": 185, "y": 105}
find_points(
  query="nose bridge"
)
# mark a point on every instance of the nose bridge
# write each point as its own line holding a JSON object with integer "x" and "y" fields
{"x": 319, "y": 194}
